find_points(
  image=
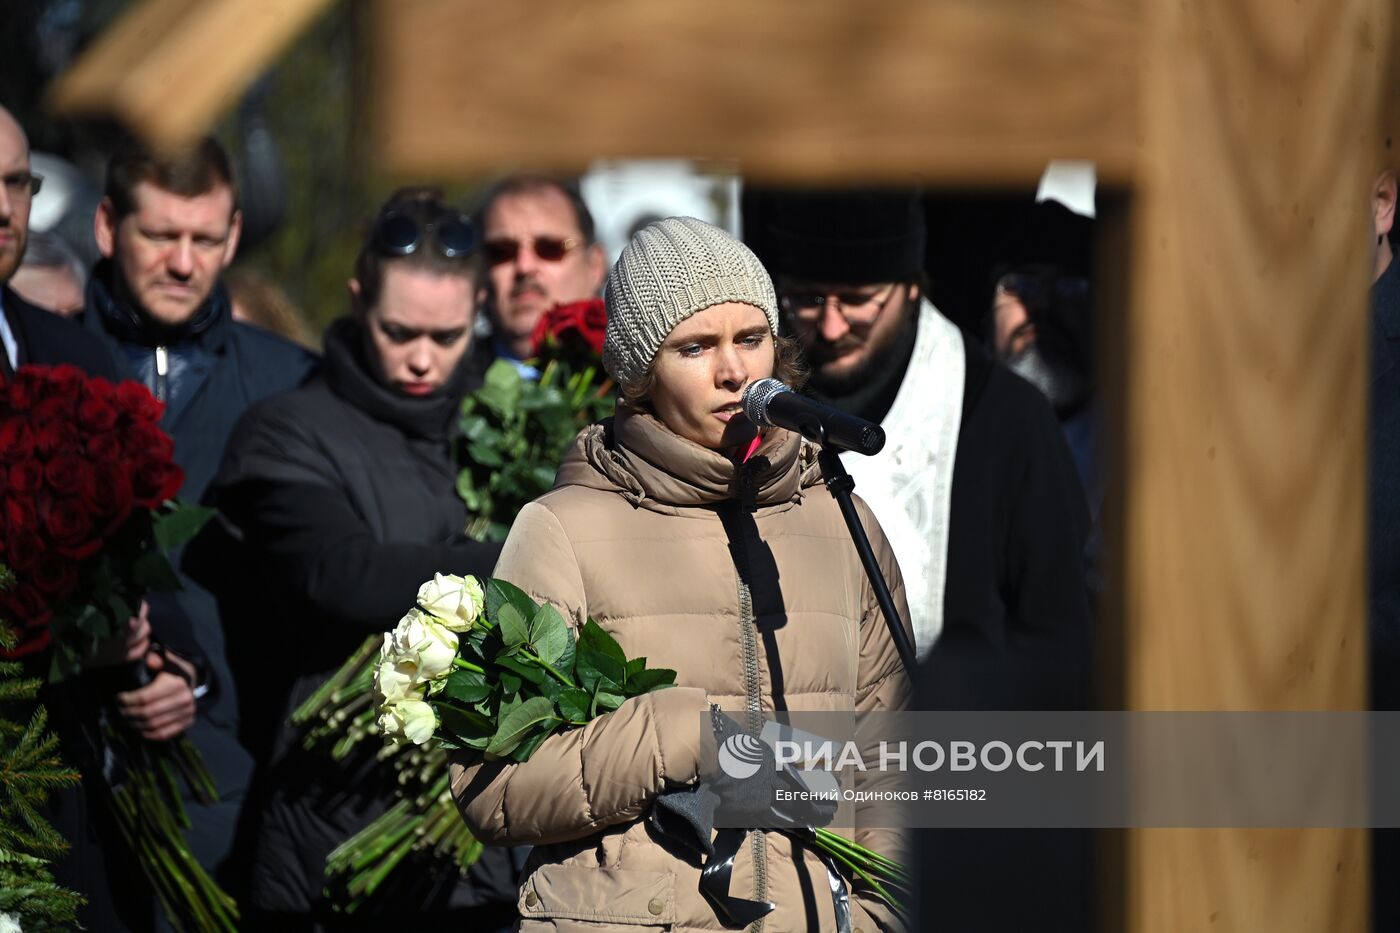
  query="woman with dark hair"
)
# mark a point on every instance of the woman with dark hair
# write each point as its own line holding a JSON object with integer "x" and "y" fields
{"x": 706, "y": 546}
{"x": 343, "y": 492}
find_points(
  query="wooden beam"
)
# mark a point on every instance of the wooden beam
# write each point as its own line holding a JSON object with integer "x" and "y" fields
{"x": 983, "y": 91}
{"x": 1246, "y": 421}
{"x": 169, "y": 69}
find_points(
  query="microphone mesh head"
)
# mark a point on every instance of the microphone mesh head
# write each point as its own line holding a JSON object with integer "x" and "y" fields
{"x": 756, "y": 399}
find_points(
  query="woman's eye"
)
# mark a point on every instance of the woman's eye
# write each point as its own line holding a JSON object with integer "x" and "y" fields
{"x": 690, "y": 349}
{"x": 755, "y": 340}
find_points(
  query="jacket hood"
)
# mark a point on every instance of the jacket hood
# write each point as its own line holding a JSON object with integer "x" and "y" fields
{"x": 107, "y": 303}
{"x": 638, "y": 457}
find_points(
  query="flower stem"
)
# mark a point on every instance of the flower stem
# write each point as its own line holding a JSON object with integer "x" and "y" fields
{"x": 547, "y": 666}
{"x": 468, "y": 666}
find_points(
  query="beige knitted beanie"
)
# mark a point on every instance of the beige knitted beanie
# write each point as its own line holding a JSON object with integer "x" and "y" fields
{"x": 670, "y": 270}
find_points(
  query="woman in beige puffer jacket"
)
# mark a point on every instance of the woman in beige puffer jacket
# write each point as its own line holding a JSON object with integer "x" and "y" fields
{"x": 722, "y": 559}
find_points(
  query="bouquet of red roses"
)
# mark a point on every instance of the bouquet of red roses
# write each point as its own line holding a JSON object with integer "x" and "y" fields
{"x": 87, "y": 483}
{"x": 516, "y": 428}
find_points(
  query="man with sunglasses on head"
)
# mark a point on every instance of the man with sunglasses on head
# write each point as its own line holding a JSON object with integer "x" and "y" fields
{"x": 539, "y": 248}
{"x": 344, "y": 493}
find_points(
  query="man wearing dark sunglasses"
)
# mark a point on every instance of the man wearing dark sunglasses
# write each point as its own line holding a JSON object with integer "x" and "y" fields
{"x": 539, "y": 248}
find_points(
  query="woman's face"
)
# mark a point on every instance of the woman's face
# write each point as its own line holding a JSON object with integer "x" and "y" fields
{"x": 419, "y": 328}
{"x": 702, "y": 369}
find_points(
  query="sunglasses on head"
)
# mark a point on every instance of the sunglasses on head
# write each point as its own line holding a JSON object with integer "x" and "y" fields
{"x": 550, "y": 249}
{"x": 401, "y": 235}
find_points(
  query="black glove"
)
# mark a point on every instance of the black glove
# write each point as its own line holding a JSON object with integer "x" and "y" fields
{"x": 748, "y": 782}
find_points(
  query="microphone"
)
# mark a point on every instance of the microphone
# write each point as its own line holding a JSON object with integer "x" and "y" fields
{"x": 769, "y": 403}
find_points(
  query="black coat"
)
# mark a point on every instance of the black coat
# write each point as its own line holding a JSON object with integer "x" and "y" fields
{"x": 343, "y": 494}
{"x": 46, "y": 339}
{"x": 217, "y": 368}
{"x": 1016, "y": 635}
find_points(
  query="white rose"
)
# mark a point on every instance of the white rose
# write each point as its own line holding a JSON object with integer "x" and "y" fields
{"x": 454, "y": 601}
{"x": 421, "y": 647}
{"x": 9, "y": 923}
{"x": 407, "y": 720}
{"x": 394, "y": 679}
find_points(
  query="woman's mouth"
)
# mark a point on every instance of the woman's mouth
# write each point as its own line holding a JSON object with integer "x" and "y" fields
{"x": 416, "y": 388}
{"x": 726, "y": 413}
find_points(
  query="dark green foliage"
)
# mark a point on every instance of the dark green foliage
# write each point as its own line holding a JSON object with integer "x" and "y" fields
{"x": 30, "y": 769}
{"x": 515, "y": 431}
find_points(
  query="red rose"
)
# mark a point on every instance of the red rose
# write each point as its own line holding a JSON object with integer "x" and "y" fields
{"x": 109, "y": 497}
{"x": 23, "y": 549}
{"x": 144, "y": 442}
{"x": 156, "y": 481}
{"x": 97, "y": 413}
{"x": 66, "y": 380}
{"x": 16, "y": 438}
{"x": 19, "y": 514}
{"x": 70, "y": 526}
{"x": 105, "y": 448}
{"x": 584, "y": 322}
{"x": 67, "y": 475}
{"x": 26, "y": 477}
{"x": 138, "y": 402}
{"x": 25, "y": 389}
{"x": 54, "y": 435}
{"x": 56, "y": 576}
{"x": 26, "y": 606}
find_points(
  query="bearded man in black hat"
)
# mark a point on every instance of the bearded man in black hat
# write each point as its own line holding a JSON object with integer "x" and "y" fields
{"x": 975, "y": 487}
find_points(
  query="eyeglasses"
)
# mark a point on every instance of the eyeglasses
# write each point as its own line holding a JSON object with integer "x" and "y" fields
{"x": 23, "y": 184}
{"x": 860, "y": 309}
{"x": 551, "y": 249}
{"x": 401, "y": 235}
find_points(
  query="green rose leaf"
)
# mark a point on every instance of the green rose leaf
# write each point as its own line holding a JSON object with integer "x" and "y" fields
{"x": 524, "y": 668}
{"x": 515, "y": 631}
{"x": 180, "y": 524}
{"x": 469, "y": 728}
{"x": 595, "y": 667}
{"x": 609, "y": 701}
{"x": 466, "y": 686}
{"x": 499, "y": 593}
{"x": 595, "y": 638}
{"x": 527, "y": 747}
{"x": 574, "y": 704}
{"x": 153, "y": 571}
{"x": 651, "y": 679}
{"x": 635, "y": 666}
{"x": 549, "y": 634}
{"x": 510, "y": 684}
{"x": 517, "y": 723}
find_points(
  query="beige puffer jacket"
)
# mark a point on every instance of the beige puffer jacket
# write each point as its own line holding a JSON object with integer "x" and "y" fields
{"x": 636, "y": 534}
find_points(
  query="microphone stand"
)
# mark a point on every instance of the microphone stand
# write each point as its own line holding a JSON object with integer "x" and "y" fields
{"x": 841, "y": 485}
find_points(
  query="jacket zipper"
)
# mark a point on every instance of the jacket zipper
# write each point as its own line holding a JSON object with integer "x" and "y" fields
{"x": 162, "y": 370}
{"x": 748, "y": 630}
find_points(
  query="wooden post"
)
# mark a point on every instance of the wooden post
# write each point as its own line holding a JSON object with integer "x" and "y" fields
{"x": 1246, "y": 421}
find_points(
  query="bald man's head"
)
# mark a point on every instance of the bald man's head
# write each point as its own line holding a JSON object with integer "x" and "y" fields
{"x": 16, "y": 194}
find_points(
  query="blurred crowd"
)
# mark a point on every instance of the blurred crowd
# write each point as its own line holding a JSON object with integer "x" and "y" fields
{"x": 330, "y": 459}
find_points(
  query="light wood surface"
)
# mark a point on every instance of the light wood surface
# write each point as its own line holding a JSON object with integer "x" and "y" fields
{"x": 170, "y": 69}
{"x": 825, "y": 90}
{"x": 1246, "y": 421}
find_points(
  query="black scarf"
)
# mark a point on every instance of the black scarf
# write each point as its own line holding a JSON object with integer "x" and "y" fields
{"x": 109, "y": 300}
{"x": 350, "y": 375}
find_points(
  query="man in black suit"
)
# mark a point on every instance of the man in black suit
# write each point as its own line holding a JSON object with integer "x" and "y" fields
{"x": 30, "y": 334}
{"x": 166, "y": 706}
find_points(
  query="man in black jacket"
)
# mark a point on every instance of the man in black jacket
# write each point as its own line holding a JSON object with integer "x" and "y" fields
{"x": 167, "y": 227}
{"x": 343, "y": 492}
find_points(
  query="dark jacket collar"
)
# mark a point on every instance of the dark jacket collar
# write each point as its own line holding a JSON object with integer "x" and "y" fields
{"x": 108, "y": 304}
{"x": 1385, "y": 298}
{"x": 349, "y": 375}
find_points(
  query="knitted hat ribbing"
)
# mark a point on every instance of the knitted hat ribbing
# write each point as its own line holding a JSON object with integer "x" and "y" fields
{"x": 670, "y": 270}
